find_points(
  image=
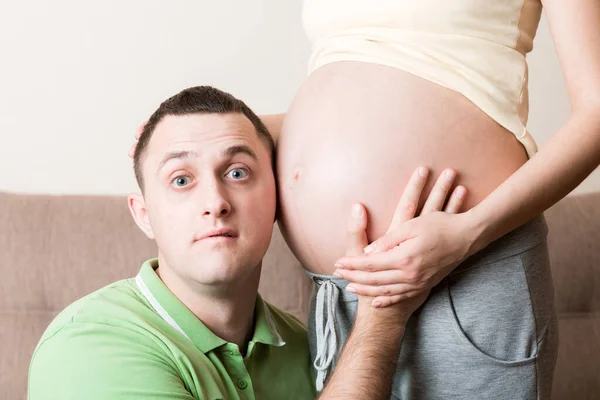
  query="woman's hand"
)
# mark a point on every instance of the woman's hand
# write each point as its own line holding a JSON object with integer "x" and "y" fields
{"x": 415, "y": 254}
{"x": 356, "y": 240}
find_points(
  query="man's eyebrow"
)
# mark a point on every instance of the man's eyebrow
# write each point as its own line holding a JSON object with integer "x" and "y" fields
{"x": 176, "y": 155}
{"x": 233, "y": 150}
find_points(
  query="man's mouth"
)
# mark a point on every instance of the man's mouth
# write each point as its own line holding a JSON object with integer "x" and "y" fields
{"x": 218, "y": 233}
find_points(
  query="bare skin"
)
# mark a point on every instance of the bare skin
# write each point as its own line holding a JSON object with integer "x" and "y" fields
{"x": 442, "y": 128}
{"x": 342, "y": 143}
{"x": 368, "y": 360}
{"x": 355, "y": 131}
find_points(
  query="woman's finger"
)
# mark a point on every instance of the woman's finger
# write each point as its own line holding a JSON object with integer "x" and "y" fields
{"x": 386, "y": 259}
{"x": 390, "y": 240}
{"x": 383, "y": 290}
{"x": 356, "y": 235}
{"x": 439, "y": 193}
{"x": 409, "y": 201}
{"x": 456, "y": 201}
{"x": 376, "y": 278}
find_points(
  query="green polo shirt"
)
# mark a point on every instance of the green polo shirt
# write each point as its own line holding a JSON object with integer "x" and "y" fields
{"x": 135, "y": 340}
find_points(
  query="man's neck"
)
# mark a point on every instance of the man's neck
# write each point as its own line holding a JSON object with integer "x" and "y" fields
{"x": 228, "y": 311}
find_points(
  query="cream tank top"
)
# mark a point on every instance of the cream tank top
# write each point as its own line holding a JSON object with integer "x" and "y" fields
{"x": 475, "y": 47}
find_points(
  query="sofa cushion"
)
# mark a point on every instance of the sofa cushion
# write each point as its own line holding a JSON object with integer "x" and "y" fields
{"x": 56, "y": 249}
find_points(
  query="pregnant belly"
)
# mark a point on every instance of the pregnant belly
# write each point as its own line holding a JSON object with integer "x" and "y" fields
{"x": 355, "y": 133}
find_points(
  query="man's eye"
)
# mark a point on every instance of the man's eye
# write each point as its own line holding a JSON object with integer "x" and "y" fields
{"x": 181, "y": 181}
{"x": 237, "y": 173}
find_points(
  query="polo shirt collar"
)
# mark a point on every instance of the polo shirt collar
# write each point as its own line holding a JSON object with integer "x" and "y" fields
{"x": 265, "y": 328}
{"x": 176, "y": 314}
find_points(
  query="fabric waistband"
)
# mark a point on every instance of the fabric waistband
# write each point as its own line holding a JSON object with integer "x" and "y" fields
{"x": 331, "y": 289}
{"x": 524, "y": 238}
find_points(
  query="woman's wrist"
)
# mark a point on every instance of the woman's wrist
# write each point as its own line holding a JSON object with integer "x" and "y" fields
{"x": 478, "y": 227}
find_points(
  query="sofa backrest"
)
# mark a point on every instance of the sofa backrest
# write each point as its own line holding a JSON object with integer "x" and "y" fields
{"x": 574, "y": 244}
{"x": 56, "y": 249}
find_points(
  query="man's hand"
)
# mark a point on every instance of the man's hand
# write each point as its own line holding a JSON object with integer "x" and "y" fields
{"x": 138, "y": 134}
{"x": 366, "y": 367}
{"x": 387, "y": 283}
{"x": 356, "y": 238}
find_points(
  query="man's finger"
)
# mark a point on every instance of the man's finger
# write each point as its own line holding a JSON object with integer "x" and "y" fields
{"x": 356, "y": 234}
{"x": 132, "y": 150}
{"x": 439, "y": 193}
{"x": 457, "y": 199}
{"x": 407, "y": 207}
{"x": 140, "y": 130}
{"x": 385, "y": 301}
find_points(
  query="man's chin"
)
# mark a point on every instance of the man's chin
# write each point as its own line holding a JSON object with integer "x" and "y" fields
{"x": 224, "y": 284}
{"x": 220, "y": 269}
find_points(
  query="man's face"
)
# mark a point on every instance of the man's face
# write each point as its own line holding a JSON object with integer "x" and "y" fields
{"x": 210, "y": 196}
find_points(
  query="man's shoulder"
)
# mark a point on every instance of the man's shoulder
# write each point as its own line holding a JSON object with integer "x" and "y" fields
{"x": 113, "y": 304}
{"x": 96, "y": 347}
{"x": 287, "y": 324}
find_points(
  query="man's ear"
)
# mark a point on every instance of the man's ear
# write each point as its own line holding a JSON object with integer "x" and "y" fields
{"x": 137, "y": 207}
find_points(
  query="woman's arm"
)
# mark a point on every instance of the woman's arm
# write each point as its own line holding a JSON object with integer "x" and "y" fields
{"x": 574, "y": 151}
{"x": 273, "y": 123}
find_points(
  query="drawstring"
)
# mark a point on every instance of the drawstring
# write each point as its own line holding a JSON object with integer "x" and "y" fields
{"x": 327, "y": 298}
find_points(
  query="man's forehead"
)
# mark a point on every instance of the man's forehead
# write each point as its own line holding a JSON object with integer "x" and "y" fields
{"x": 202, "y": 133}
{"x": 203, "y": 136}
{"x": 205, "y": 126}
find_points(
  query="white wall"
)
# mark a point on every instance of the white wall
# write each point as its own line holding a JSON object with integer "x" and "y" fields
{"x": 77, "y": 78}
{"x": 549, "y": 106}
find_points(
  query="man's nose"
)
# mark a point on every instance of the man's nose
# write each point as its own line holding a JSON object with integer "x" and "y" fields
{"x": 215, "y": 203}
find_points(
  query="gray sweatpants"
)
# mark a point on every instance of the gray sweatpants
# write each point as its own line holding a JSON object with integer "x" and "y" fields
{"x": 487, "y": 331}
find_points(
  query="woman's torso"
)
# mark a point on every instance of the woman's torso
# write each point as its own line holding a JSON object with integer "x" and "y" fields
{"x": 357, "y": 130}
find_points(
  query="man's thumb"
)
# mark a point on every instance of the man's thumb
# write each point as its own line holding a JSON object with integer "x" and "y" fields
{"x": 356, "y": 235}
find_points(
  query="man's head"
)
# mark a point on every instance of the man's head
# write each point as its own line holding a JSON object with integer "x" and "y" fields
{"x": 204, "y": 165}
{"x": 196, "y": 100}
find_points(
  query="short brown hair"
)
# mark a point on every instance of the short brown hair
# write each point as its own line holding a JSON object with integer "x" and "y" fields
{"x": 197, "y": 100}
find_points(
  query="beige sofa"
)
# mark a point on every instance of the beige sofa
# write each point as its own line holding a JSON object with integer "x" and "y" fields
{"x": 56, "y": 249}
